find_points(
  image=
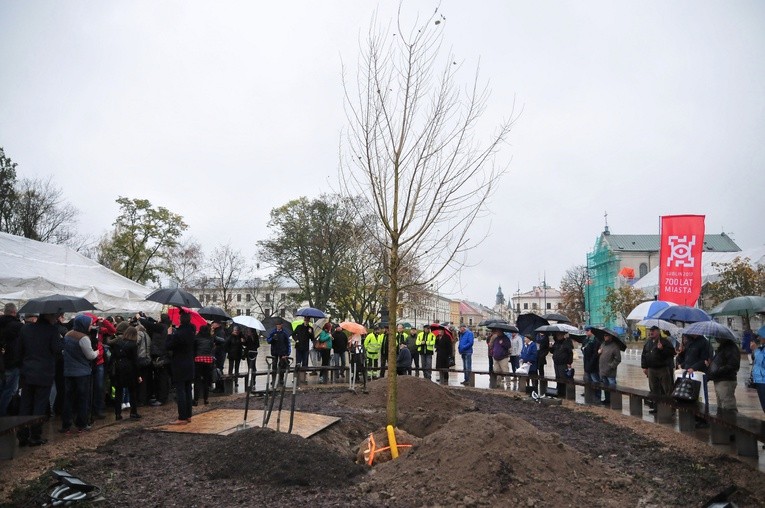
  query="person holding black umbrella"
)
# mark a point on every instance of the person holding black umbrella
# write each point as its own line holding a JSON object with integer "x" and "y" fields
{"x": 656, "y": 361}
{"x": 40, "y": 344}
{"x": 723, "y": 372}
{"x": 181, "y": 342}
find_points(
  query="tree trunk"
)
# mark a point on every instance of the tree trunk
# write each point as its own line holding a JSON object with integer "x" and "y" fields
{"x": 392, "y": 407}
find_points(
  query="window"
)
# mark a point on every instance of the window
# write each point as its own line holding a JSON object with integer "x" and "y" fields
{"x": 470, "y": 322}
{"x": 282, "y": 312}
{"x": 549, "y": 306}
{"x": 201, "y": 298}
{"x": 518, "y": 308}
{"x": 534, "y": 306}
{"x": 560, "y": 305}
{"x": 247, "y": 298}
{"x": 643, "y": 270}
{"x": 229, "y": 297}
{"x": 525, "y": 306}
{"x": 267, "y": 312}
{"x": 238, "y": 312}
{"x": 268, "y": 297}
{"x": 215, "y": 297}
{"x": 248, "y": 312}
{"x": 238, "y": 298}
{"x": 283, "y": 296}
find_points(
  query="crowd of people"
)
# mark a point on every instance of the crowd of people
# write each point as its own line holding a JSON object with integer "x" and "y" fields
{"x": 75, "y": 368}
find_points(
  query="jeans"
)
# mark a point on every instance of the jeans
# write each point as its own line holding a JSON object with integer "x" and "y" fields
{"x": 594, "y": 377}
{"x": 8, "y": 387}
{"x": 301, "y": 358}
{"x": 35, "y": 400}
{"x": 98, "y": 390}
{"x": 77, "y": 401}
{"x": 761, "y": 394}
{"x": 607, "y": 382}
{"x": 467, "y": 364}
{"x": 203, "y": 380}
{"x": 427, "y": 364}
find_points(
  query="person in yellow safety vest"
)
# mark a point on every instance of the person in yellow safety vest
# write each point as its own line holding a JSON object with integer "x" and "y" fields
{"x": 426, "y": 343}
{"x": 372, "y": 345}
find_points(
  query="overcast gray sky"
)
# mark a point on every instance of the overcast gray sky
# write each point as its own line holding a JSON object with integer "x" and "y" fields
{"x": 221, "y": 111}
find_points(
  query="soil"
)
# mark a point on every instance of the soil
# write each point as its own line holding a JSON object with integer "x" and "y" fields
{"x": 471, "y": 448}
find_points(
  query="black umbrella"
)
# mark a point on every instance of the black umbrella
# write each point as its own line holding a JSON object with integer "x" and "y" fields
{"x": 174, "y": 296}
{"x": 214, "y": 314}
{"x": 505, "y": 327}
{"x": 270, "y": 323}
{"x": 554, "y": 316}
{"x": 600, "y": 332}
{"x": 487, "y": 322}
{"x": 310, "y": 312}
{"x": 55, "y": 304}
{"x": 527, "y": 323}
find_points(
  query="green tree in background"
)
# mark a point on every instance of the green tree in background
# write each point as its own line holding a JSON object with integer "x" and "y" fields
{"x": 141, "y": 241}
{"x": 620, "y": 301}
{"x": 308, "y": 243}
{"x": 7, "y": 190}
{"x": 572, "y": 288}
{"x": 737, "y": 278}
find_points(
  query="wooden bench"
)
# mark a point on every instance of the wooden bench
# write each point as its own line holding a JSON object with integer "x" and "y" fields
{"x": 8, "y": 427}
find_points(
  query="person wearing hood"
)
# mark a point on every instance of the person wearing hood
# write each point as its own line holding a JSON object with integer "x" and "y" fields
{"x": 723, "y": 372}
{"x": 610, "y": 357}
{"x": 78, "y": 354}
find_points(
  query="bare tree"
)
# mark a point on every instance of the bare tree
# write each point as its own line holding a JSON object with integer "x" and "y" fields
{"x": 41, "y": 212}
{"x": 227, "y": 269}
{"x": 185, "y": 262}
{"x": 572, "y": 287}
{"x": 412, "y": 152}
{"x": 269, "y": 296}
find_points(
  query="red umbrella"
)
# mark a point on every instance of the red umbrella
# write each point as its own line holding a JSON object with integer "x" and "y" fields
{"x": 447, "y": 331}
{"x": 175, "y": 316}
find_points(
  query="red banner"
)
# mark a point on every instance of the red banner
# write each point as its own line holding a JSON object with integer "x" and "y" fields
{"x": 682, "y": 242}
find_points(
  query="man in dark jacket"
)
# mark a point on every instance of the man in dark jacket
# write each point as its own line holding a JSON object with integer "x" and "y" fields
{"x": 563, "y": 357}
{"x": 10, "y": 328}
{"x": 40, "y": 345}
{"x": 280, "y": 351}
{"x": 159, "y": 384}
{"x": 656, "y": 361}
{"x": 723, "y": 371}
{"x": 303, "y": 335}
{"x": 590, "y": 348}
{"x": 339, "y": 349}
{"x": 695, "y": 358}
{"x": 181, "y": 343}
{"x": 403, "y": 360}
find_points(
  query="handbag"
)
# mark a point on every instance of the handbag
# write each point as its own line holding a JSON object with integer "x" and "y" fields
{"x": 523, "y": 370}
{"x": 320, "y": 345}
{"x": 686, "y": 389}
{"x": 452, "y": 361}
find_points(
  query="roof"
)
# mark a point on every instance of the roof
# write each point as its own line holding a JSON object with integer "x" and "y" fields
{"x": 650, "y": 243}
{"x": 649, "y": 283}
{"x": 468, "y": 309}
{"x": 31, "y": 269}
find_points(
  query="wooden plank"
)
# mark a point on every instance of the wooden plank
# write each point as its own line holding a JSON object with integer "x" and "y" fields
{"x": 227, "y": 421}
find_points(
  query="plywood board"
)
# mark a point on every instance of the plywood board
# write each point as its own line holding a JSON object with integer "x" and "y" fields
{"x": 227, "y": 421}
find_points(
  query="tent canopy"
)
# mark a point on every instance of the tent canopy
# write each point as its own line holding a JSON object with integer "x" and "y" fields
{"x": 31, "y": 269}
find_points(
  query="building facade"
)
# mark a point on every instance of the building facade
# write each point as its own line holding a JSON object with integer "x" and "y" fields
{"x": 617, "y": 260}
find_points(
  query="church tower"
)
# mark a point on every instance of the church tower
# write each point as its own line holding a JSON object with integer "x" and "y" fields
{"x": 500, "y": 297}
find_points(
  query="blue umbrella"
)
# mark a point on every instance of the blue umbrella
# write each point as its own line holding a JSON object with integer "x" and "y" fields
{"x": 310, "y": 312}
{"x": 710, "y": 329}
{"x": 645, "y": 309}
{"x": 683, "y": 314}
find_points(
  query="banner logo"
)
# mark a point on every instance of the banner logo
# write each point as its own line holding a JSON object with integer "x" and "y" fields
{"x": 682, "y": 242}
{"x": 681, "y": 251}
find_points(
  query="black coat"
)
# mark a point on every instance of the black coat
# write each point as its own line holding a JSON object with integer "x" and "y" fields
{"x": 303, "y": 336}
{"x": 125, "y": 362}
{"x": 339, "y": 342}
{"x": 726, "y": 362}
{"x": 590, "y": 354}
{"x": 234, "y": 345}
{"x": 10, "y": 328}
{"x": 181, "y": 343}
{"x": 563, "y": 352}
{"x": 655, "y": 358}
{"x": 443, "y": 351}
{"x": 40, "y": 345}
{"x": 696, "y": 352}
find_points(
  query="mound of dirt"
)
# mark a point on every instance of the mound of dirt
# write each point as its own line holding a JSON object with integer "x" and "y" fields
{"x": 276, "y": 458}
{"x": 423, "y": 406}
{"x": 496, "y": 458}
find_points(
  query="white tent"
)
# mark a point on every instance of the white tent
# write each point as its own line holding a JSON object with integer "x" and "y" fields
{"x": 30, "y": 269}
{"x": 709, "y": 273}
